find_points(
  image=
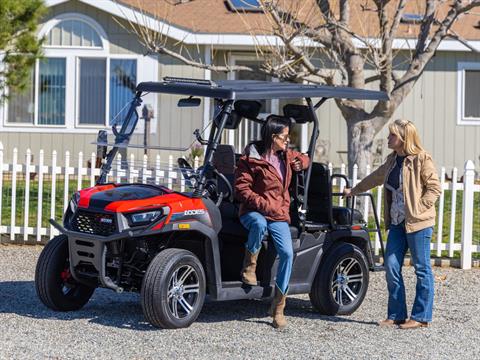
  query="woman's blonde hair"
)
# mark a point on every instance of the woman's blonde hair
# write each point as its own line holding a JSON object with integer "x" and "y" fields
{"x": 407, "y": 132}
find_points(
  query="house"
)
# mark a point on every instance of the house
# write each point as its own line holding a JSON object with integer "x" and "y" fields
{"x": 93, "y": 60}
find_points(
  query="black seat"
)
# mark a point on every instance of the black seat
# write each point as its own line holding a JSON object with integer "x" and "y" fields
{"x": 319, "y": 203}
{"x": 320, "y": 209}
{"x": 224, "y": 162}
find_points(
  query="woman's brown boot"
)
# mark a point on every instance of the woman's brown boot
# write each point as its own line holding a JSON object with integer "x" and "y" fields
{"x": 278, "y": 305}
{"x": 249, "y": 266}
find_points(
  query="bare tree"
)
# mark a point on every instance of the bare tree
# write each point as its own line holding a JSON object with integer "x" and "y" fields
{"x": 350, "y": 36}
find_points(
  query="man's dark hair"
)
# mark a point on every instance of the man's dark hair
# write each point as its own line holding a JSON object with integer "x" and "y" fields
{"x": 273, "y": 126}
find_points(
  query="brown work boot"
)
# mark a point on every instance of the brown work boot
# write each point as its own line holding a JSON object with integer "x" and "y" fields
{"x": 278, "y": 305}
{"x": 249, "y": 266}
{"x": 390, "y": 323}
{"x": 412, "y": 324}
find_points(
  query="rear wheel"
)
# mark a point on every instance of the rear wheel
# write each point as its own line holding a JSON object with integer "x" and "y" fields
{"x": 54, "y": 283}
{"x": 341, "y": 282}
{"x": 173, "y": 289}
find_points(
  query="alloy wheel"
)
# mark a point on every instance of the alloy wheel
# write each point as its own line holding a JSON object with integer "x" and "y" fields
{"x": 183, "y": 291}
{"x": 347, "y": 281}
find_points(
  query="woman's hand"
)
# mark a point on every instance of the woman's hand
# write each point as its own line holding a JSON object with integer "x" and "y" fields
{"x": 347, "y": 192}
{"x": 296, "y": 164}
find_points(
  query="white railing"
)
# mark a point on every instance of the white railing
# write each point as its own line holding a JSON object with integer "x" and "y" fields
{"x": 45, "y": 184}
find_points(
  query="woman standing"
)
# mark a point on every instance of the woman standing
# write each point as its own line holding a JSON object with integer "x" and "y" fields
{"x": 411, "y": 189}
{"x": 262, "y": 179}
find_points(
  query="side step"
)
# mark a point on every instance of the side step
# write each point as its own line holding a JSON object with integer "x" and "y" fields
{"x": 236, "y": 290}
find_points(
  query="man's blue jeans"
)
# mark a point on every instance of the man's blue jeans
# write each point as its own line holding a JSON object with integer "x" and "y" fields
{"x": 419, "y": 244}
{"x": 257, "y": 226}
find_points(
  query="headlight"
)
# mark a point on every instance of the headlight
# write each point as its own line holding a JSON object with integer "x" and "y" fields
{"x": 143, "y": 218}
{"x": 74, "y": 201}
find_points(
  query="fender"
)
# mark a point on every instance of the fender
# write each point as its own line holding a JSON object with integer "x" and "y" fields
{"x": 332, "y": 240}
{"x": 212, "y": 251}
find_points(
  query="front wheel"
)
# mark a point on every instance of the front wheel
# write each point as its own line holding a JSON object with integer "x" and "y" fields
{"x": 55, "y": 286}
{"x": 173, "y": 289}
{"x": 341, "y": 282}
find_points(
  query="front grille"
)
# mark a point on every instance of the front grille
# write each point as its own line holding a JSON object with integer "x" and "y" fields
{"x": 94, "y": 223}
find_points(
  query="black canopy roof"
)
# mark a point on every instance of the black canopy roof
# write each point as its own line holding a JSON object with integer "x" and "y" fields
{"x": 255, "y": 90}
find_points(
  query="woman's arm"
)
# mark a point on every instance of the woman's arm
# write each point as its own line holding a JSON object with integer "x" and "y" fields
{"x": 430, "y": 182}
{"x": 374, "y": 179}
{"x": 304, "y": 159}
{"x": 243, "y": 187}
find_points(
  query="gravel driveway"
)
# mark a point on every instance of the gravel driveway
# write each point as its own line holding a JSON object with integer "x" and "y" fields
{"x": 112, "y": 326}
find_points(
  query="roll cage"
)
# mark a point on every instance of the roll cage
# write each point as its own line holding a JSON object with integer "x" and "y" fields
{"x": 234, "y": 101}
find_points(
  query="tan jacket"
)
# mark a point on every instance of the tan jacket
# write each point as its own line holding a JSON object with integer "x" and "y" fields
{"x": 421, "y": 189}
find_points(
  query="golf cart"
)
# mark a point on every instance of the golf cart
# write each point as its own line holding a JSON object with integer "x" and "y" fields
{"x": 176, "y": 248}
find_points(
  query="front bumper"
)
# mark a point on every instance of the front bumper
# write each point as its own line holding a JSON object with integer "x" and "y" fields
{"x": 92, "y": 250}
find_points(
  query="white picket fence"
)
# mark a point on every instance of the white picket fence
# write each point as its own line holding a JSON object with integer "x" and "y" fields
{"x": 467, "y": 212}
{"x": 160, "y": 173}
{"x": 48, "y": 177}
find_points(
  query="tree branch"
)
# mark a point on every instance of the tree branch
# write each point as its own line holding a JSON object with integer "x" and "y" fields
{"x": 226, "y": 68}
{"x": 427, "y": 21}
{"x": 421, "y": 58}
{"x": 396, "y": 18}
{"x": 344, "y": 12}
{"x": 464, "y": 42}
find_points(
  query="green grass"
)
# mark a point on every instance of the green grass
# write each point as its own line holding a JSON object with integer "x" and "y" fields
{"x": 33, "y": 202}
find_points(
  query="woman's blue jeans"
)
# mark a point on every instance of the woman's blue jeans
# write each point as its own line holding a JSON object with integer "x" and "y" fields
{"x": 257, "y": 226}
{"x": 419, "y": 244}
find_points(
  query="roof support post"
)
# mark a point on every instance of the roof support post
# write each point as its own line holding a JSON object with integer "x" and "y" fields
{"x": 212, "y": 147}
{"x": 311, "y": 151}
{"x": 206, "y": 100}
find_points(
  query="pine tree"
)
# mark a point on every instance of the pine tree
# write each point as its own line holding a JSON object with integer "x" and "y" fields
{"x": 20, "y": 46}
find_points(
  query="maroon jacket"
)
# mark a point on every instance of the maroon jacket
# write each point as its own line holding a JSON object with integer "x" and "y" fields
{"x": 258, "y": 185}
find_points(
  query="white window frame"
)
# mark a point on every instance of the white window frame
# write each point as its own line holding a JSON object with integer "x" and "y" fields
{"x": 49, "y": 25}
{"x": 107, "y": 89}
{"x": 461, "y": 68}
{"x": 147, "y": 70}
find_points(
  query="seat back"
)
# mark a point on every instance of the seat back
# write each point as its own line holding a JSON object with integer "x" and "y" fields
{"x": 224, "y": 162}
{"x": 319, "y": 203}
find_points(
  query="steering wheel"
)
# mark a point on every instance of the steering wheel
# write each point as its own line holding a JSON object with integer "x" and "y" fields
{"x": 187, "y": 171}
{"x": 229, "y": 193}
{"x": 212, "y": 188}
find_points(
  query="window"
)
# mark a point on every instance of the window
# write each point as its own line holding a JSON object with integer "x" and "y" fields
{"x": 21, "y": 106}
{"x": 468, "y": 106}
{"x": 244, "y": 5}
{"x": 51, "y": 92}
{"x": 92, "y": 91}
{"x": 123, "y": 80}
{"x": 472, "y": 89}
{"x": 49, "y": 84}
{"x": 78, "y": 83}
{"x": 74, "y": 33}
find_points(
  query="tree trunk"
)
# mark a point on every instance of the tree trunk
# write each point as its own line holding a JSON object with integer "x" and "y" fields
{"x": 360, "y": 140}
{"x": 361, "y": 134}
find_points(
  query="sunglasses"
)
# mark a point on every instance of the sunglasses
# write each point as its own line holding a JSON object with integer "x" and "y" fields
{"x": 283, "y": 137}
